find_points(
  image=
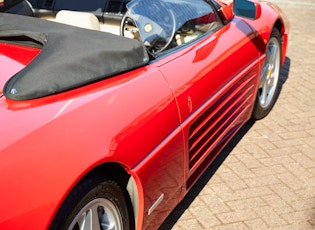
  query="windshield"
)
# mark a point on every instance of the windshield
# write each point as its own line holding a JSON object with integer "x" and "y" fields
{"x": 160, "y": 19}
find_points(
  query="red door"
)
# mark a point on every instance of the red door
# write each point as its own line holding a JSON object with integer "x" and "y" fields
{"x": 214, "y": 81}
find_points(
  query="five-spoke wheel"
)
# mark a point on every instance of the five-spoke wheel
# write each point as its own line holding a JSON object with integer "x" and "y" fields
{"x": 95, "y": 204}
{"x": 268, "y": 87}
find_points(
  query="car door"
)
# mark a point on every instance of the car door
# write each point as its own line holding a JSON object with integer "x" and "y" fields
{"x": 214, "y": 79}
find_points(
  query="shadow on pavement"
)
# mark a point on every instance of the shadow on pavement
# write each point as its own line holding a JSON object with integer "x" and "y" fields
{"x": 206, "y": 177}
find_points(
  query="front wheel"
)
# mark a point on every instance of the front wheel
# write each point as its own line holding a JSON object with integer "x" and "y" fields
{"x": 94, "y": 205}
{"x": 268, "y": 88}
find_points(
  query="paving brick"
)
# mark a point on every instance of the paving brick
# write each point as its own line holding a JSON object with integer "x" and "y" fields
{"x": 270, "y": 217}
{"x": 303, "y": 204}
{"x": 294, "y": 135}
{"x": 291, "y": 181}
{"x": 249, "y": 160}
{"x": 224, "y": 192}
{"x": 238, "y": 225}
{"x": 297, "y": 217}
{"x": 283, "y": 160}
{"x": 296, "y": 226}
{"x": 215, "y": 204}
{"x": 262, "y": 181}
{"x": 279, "y": 205}
{"x": 240, "y": 169}
{"x": 304, "y": 174}
{"x": 257, "y": 151}
{"x": 304, "y": 160}
{"x": 190, "y": 224}
{"x": 270, "y": 170}
{"x": 283, "y": 151}
{"x": 236, "y": 216}
{"x": 248, "y": 203}
{"x": 257, "y": 224}
{"x": 285, "y": 193}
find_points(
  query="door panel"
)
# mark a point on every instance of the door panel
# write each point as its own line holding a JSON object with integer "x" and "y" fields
{"x": 214, "y": 83}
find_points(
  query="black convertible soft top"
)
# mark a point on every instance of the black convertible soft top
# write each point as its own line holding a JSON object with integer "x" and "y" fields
{"x": 70, "y": 57}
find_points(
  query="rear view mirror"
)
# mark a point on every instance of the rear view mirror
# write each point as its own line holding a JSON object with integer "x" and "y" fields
{"x": 247, "y": 9}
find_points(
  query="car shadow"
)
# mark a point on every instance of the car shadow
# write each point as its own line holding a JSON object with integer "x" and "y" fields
{"x": 208, "y": 174}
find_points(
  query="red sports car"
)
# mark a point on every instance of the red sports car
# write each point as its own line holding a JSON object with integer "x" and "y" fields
{"x": 108, "y": 126}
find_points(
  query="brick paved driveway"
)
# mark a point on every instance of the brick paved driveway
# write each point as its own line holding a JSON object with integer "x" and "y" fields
{"x": 265, "y": 179}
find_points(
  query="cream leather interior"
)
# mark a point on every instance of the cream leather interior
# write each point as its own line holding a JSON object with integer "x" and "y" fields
{"x": 79, "y": 19}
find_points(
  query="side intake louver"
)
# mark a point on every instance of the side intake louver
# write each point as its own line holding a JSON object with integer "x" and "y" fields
{"x": 216, "y": 122}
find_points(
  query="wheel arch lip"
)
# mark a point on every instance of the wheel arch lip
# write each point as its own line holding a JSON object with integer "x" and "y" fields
{"x": 125, "y": 178}
{"x": 280, "y": 22}
{"x": 271, "y": 17}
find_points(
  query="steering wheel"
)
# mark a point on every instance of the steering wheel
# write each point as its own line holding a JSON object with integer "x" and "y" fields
{"x": 128, "y": 28}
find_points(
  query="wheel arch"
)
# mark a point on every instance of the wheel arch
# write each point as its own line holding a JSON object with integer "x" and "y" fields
{"x": 280, "y": 26}
{"x": 272, "y": 18}
{"x": 127, "y": 182}
{"x": 124, "y": 178}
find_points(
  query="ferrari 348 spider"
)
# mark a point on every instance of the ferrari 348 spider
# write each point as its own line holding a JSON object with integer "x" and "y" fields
{"x": 110, "y": 125}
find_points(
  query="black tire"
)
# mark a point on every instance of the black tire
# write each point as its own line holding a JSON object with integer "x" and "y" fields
{"x": 269, "y": 83}
{"x": 105, "y": 199}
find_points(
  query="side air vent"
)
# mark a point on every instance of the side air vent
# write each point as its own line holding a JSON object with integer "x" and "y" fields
{"x": 219, "y": 119}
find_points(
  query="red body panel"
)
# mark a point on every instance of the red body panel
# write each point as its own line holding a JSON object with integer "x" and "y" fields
{"x": 14, "y": 58}
{"x": 164, "y": 123}
{"x": 77, "y": 126}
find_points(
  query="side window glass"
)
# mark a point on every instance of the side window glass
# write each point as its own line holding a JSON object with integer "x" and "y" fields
{"x": 195, "y": 28}
{"x": 166, "y": 24}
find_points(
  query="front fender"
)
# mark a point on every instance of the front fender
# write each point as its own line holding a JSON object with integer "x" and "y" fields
{"x": 271, "y": 17}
